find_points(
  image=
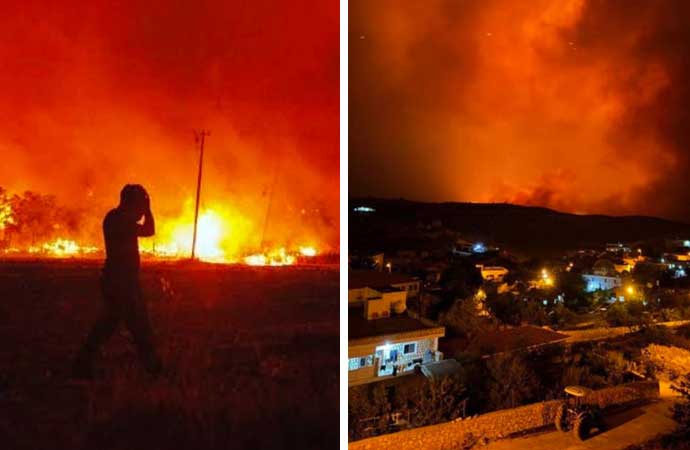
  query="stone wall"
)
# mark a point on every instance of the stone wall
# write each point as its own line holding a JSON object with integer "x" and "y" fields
{"x": 624, "y": 394}
{"x": 595, "y": 334}
{"x": 498, "y": 424}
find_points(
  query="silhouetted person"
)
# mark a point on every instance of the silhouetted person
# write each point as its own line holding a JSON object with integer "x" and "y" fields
{"x": 122, "y": 227}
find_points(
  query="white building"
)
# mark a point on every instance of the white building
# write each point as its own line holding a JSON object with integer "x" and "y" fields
{"x": 359, "y": 281}
{"x": 493, "y": 273}
{"x": 596, "y": 282}
{"x": 617, "y": 248}
{"x": 384, "y": 340}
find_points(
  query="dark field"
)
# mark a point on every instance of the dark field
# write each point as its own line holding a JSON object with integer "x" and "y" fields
{"x": 251, "y": 357}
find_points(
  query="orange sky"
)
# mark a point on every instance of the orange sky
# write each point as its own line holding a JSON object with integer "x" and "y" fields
{"x": 96, "y": 94}
{"x": 576, "y": 105}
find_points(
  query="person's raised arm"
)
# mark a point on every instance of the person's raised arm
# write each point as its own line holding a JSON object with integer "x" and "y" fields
{"x": 149, "y": 226}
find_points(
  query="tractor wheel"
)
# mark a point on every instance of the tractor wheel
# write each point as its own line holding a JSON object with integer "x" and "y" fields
{"x": 601, "y": 425}
{"x": 561, "y": 420}
{"x": 583, "y": 426}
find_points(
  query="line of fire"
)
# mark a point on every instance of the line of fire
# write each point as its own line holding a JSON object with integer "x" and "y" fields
{"x": 35, "y": 225}
{"x": 169, "y": 224}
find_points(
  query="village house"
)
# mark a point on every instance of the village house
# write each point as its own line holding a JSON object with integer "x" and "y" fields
{"x": 677, "y": 256}
{"x": 360, "y": 282}
{"x": 492, "y": 273}
{"x": 384, "y": 339}
{"x": 371, "y": 260}
{"x": 617, "y": 248}
{"x": 596, "y": 282}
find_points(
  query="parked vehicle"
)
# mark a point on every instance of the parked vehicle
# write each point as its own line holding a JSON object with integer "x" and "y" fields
{"x": 575, "y": 415}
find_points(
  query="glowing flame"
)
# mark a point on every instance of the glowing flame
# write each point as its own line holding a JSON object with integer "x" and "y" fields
{"x": 210, "y": 232}
{"x": 224, "y": 235}
{"x": 307, "y": 251}
{"x": 5, "y": 215}
{"x": 256, "y": 260}
{"x": 279, "y": 257}
{"x": 62, "y": 247}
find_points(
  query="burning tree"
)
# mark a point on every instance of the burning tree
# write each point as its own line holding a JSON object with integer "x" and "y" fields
{"x": 31, "y": 220}
{"x": 6, "y": 217}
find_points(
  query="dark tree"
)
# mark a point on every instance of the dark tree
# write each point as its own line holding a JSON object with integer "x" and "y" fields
{"x": 505, "y": 307}
{"x": 439, "y": 401}
{"x": 511, "y": 381}
{"x": 572, "y": 285}
{"x": 460, "y": 280}
{"x": 462, "y": 317}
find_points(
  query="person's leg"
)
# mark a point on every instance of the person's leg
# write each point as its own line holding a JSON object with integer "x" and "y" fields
{"x": 104, "y": 327}
{"x": 139, "y": 325}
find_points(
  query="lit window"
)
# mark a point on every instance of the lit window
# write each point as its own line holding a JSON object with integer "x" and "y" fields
{"x": 359, "y": 363}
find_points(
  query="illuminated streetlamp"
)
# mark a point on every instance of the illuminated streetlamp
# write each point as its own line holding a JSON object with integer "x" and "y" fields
{"x": 546, "y": 278}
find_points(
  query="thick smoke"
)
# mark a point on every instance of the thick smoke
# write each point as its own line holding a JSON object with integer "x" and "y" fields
{"x": 97, "y": 94}
{"x": 577, "y": 105}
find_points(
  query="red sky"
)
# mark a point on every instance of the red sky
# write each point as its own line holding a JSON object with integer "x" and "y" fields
{"x": 578, "y": 105}
{"x": 96, "y": 94}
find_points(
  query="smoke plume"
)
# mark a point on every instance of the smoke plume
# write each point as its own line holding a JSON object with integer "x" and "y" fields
{"x": 102, "y": 93}
{"x": 579, "y": 105}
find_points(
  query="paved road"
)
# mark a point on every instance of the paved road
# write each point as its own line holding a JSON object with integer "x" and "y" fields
{"x": 630, "y": 427}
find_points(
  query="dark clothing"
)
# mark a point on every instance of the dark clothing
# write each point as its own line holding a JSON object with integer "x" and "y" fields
{"x": 121, "y": 291}
{"x": 122, "y": 303}
{"x": 121, "y": 231}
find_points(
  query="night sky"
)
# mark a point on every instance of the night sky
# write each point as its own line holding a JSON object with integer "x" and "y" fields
{"x": 99, "y": 93}
{"x": 581, "y": 106}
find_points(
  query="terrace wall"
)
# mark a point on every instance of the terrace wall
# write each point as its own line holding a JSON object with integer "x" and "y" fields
{"x": 499, "y": 424}
{"x": 366, "y": 373}
{"x": 595, "y": 334}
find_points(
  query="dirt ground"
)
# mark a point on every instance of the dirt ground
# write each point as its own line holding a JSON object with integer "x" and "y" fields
{"x": 251, "y": 358}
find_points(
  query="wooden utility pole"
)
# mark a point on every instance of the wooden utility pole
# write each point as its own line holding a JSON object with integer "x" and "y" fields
{"x": 268, "y": 206}
{"x": 199, "y": 137}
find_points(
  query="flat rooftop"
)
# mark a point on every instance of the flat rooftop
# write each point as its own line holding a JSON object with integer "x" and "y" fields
{"x": 357, "y": 279}
{"x": 359, "y": 327}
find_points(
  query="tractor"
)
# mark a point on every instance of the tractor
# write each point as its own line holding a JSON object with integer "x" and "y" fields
{"x": 573, "y": 414}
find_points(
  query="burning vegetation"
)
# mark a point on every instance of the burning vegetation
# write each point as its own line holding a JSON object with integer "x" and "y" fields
{"x": 33, "y": 224}
{"x": 112, "y": 96}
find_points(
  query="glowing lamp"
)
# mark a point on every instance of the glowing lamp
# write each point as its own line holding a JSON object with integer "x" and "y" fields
{"x": 478, "y": 248}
